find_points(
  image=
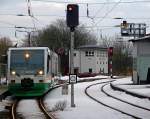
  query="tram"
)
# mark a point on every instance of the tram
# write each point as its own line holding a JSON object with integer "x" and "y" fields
{"x": 31, "y": 70}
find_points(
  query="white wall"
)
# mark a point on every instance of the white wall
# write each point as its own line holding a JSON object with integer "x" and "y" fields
{"x": 77, "y": 59}
{"x": 102, "y": 61}
{"x": 87, "y": 62}
{"x": 96, "y": 62}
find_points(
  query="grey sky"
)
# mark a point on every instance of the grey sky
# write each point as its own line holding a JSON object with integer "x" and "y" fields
{"x": 47, "y": 12}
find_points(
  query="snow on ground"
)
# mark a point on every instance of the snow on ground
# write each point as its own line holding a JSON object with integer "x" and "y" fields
{"x": 28, "y": 109}
{"x": 137, "y": 89}
{"x": 117, "y": 104}
{"x": 85, "y": 108}
{"x": 124, "y": 81}
{"x": 129, "y": 98}
{"x": 86, "y": 78}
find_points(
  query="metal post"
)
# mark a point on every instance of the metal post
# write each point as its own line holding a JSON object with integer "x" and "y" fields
{"x": 59, "y": 63}
{"x": 29, "y": 43}
{"x": 111, "y": 70}
{"x": 72, "y": 64}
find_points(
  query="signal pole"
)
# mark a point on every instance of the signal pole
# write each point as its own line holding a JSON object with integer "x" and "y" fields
{"x": 72, "y": 19}
{"x": 72, "y": 64}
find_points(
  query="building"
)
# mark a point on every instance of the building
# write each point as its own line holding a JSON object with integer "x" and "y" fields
{"x": 141, "y": 60}
{"x": 92, "y": 59}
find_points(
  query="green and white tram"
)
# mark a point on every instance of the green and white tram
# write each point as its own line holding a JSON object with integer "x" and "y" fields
{"x": 31, "y": 70}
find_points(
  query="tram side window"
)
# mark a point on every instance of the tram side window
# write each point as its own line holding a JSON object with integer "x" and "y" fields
{"x": 48, "y": 59}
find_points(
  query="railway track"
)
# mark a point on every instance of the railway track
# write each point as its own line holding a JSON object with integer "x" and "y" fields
{"x": 44, "y": 113}
{"x": 48, "y": 115}
{"x": 115, "y": 97}
{"x": 117, "y": 104}
{"x": 13, "y": 114}
{"x": 40, "y": 104}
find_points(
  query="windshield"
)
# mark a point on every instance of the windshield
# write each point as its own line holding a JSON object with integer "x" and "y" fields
{"x": 26, "y": 61}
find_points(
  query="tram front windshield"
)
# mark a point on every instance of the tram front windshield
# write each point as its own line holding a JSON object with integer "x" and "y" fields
{"x": 26, "y": 61}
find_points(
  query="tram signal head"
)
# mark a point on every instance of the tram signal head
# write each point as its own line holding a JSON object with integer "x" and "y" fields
{"x": 72, "y": 15}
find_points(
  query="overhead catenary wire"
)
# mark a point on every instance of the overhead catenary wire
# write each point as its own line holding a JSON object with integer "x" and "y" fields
{"x": 107, "y": 13}
{"x": 4, "y": 22}
{"x": 101, "y": 26}
{"x": 123, "y": 2}
{"x": 94, "y": 16}
{"x": 63, "y": 16}
{"x": 35, "y": 17}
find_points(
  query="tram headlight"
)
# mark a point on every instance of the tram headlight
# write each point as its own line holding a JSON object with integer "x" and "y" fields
{"x": 13, "y": 72}
{"x": 27, "y": 55}
{"x": 40, "y": 72}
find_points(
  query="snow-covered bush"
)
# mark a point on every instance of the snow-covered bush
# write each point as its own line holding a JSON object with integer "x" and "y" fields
{"x": 60, "y": 105}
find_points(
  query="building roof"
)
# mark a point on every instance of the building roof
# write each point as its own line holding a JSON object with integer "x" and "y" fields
{"x": 145, "y": 38}
{"x": 91, "y": 47}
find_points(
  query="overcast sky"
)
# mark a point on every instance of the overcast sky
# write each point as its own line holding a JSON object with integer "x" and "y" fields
{"x": 46, "y": 11}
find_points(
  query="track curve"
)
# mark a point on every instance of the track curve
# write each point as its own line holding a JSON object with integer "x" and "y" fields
{"x": 44, "y": 110}
{"x": 101, "y": 101}
{"x": 13, "y": 114}
{"x": 102, "y": 89}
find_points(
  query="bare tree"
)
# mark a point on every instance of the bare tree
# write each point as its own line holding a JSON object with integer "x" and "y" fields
{"x": 5, "y": 43}
{"x": 57, "y": 36}
{"x": 122, "y": 58}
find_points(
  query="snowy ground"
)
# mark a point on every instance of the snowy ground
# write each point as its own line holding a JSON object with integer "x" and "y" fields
{"x": 27, "y": 112}
{"x": 143, "y": 90}
{"x": 85, "y": 107}
{"x": 129, "y": 98}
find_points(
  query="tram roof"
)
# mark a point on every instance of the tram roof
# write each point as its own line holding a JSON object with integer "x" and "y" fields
{"x": 29, "y": 48}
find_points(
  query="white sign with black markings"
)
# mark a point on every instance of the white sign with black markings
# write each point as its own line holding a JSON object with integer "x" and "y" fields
{"x": 72, "y": 78}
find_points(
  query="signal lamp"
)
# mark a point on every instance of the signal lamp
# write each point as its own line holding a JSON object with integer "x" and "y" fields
{"x": 72, "y": 15}
{"x": 70, "y": 8}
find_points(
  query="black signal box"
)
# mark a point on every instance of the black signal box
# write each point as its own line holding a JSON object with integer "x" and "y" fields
{"x": 72, "y": 15}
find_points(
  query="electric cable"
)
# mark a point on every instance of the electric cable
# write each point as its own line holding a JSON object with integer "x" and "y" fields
{"x": 64, "y": 2}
